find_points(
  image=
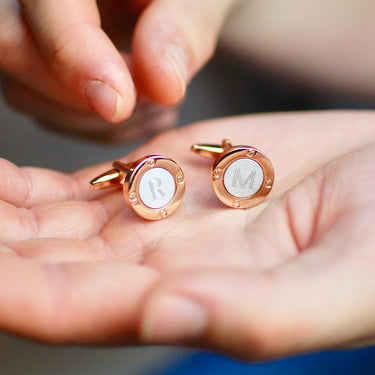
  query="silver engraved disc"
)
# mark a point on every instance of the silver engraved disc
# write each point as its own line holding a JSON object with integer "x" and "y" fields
{"x": 243, "y": 178}
{"x": 157, "y": 188}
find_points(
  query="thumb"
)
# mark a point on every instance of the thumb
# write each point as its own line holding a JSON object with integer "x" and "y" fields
{"x": 81, "y": 55}
{"x": 172, "y": 41}
{"x": 301, "y": 307}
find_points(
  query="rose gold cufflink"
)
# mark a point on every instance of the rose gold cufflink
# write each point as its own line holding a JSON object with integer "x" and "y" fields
{"x": 153, "y": 186}
{"x": 242, "y": 176}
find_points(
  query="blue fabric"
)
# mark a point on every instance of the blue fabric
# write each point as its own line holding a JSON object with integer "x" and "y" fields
{"x": 356, "y": 362}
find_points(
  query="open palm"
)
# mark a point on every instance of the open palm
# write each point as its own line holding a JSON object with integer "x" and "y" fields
{"x": 80, "y": 266}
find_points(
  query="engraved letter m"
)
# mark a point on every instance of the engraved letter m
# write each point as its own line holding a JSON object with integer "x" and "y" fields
{"x": 242, "y": 184}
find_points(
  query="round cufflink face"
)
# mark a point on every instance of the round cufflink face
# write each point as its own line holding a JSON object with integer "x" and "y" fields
{"x": 155, "y": 187}
{"x": 242, "y": 177}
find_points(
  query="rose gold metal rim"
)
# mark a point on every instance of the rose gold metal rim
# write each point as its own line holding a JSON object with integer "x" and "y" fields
{"x": 228, "y": 157}
{"x": 131, "y": 187}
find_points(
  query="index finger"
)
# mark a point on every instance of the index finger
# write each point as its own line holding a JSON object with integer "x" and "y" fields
{"x": 92, "y": 303}
{"x": 81, "y": 54}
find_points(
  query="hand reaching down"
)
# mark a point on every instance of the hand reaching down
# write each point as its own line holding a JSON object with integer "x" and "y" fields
{"x": 68, "y": 63}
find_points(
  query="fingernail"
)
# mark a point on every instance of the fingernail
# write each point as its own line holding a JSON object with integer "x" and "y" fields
{"x": 171, "y": 319}
{"x": 179, "y": 60}
{"x": 103, "y": 99}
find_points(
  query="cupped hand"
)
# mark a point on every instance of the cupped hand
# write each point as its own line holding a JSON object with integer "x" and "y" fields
{"x": 292, "y": 274}
{"x": 68, "y": 62}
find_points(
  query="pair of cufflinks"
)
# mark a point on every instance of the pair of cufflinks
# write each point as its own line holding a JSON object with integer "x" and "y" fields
{"x": 242, "y": 177}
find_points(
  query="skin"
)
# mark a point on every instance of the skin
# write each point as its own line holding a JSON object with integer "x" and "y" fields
{"x": 50, "y": 51}
{"x": 68, "y": 63}
{"x": 292, "y": 274}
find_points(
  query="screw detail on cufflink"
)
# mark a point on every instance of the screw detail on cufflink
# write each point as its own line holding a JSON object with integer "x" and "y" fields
{"x": 152, "y": 186}
{"x": 242, "y": 176}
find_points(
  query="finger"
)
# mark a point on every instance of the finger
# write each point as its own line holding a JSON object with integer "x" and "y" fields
{"x": 172, "y": 41}
{"x": 79, "y": 231}
{"x": 70, "y": 219}
{"x": 127, "y": 131}
{"x": 20, "y": 58}
{"x": 25, "y": 187}
{"x": 28, "y": 186}
{"x": 71, "y": 303}
{"x": 57, "y": 250}
{"x": 147, "y": 119}
{"x": 254, "y": 316}
{"x": 82, "y": 56}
